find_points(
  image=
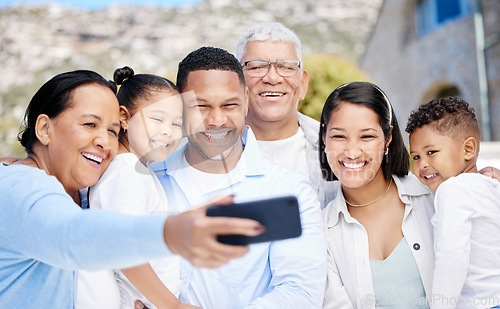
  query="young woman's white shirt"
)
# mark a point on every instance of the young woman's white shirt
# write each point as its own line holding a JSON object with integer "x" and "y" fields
{"x": 128, "y": 186}
{"x": 349, "y": 281}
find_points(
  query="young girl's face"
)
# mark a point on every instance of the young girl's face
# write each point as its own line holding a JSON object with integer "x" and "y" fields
{"x": 155, "y": 129}
{"x": 354, "y": 145}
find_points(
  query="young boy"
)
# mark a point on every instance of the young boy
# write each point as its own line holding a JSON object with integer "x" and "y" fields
{"x": 444, "y": 145}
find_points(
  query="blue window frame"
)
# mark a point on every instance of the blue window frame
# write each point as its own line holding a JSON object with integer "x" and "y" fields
{"x": 432, "y": 14}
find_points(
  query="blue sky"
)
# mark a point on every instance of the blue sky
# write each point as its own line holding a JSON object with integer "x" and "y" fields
{"x": 96, "y": 4}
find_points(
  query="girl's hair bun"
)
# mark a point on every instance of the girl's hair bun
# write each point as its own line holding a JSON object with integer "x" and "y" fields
{"x": 121, "y": 75}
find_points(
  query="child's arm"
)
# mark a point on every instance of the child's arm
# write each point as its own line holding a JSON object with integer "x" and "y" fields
{"x": 147, "y": 282}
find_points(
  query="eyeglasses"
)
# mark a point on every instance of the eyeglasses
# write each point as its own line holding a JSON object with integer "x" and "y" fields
{"x": 259, "y": 68}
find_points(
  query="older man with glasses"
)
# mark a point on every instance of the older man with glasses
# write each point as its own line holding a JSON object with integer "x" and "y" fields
{"x": 271, "y": 58}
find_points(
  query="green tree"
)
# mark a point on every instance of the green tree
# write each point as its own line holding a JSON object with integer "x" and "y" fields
{"x": 326, "y": 72}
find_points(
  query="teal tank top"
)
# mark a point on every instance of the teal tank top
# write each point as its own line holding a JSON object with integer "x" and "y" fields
{"x": 397, "y": 282}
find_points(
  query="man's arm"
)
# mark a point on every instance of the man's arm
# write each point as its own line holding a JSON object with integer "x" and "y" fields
{"x": 492, "y": 172}
{"x": 9, "y": 160}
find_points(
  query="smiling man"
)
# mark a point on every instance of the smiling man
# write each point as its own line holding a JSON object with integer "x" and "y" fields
{"x": 214, "y": 118}
{"x": 271, "y": 58}
{"x": 222, "y": 157}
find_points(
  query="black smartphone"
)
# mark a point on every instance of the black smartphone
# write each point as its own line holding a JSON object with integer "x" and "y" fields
{"x": 279, "y": 215}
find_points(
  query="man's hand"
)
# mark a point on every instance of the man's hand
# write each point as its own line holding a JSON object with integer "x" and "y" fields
{"x": 193, "y": 235}
{"x": 139, "y": 305}
{"x": 491, "y": 172}
{"x": 9, "y": 160}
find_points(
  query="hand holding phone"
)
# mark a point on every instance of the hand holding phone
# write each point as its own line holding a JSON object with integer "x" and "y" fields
{"x": 279, "y": 215}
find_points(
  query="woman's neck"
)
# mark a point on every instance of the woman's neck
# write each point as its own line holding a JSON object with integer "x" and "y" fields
{"x": 28, "y": 161}
{"x": 368, "y": 193}
{"x": 35, "y": 159}
{"x": 75, "y": 195}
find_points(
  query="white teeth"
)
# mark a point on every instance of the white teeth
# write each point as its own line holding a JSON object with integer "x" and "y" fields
{"x": 158, "y": 144}
{"x": 216, "y": 135}
{"x": 92, "y": 157}
{"x": 430, "y": 176}
{"x": 353, "y": 165}
{"x": 271, "y": 94}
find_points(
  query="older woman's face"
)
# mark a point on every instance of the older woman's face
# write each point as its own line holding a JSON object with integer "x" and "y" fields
{"x": 83, "y": 138}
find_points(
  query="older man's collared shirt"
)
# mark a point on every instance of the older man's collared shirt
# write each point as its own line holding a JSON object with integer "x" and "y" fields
{"x": 282, "y": 274}
{"x": 326, "y": 190}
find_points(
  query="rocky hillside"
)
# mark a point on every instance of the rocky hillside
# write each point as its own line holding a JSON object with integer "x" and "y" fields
{"x": 39, "y": 41}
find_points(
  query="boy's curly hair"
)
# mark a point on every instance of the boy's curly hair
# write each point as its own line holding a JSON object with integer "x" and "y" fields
{"x": 449, "y": 116}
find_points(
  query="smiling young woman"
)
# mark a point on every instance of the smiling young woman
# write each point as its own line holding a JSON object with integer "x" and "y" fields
{"x": 379, "y": 230}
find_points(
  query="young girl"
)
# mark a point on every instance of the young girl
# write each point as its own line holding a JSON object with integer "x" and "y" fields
{"x": 151, "y": 129}
{"x": 379, "y": 233}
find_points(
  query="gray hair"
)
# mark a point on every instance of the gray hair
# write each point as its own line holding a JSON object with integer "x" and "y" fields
{"x": 264, "y": 31}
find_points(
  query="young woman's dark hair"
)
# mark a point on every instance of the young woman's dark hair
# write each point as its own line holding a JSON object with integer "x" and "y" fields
{"x": 371, "y": 96}
{"x": 138, "y": 86}
{"x": 53, "y": 98}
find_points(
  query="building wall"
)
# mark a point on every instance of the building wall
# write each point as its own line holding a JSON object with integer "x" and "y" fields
{"x": 491, "y": 15}
{"x": 412, "y": 69}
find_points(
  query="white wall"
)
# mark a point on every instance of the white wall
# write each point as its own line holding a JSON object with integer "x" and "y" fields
{"x": 489, "y": 155}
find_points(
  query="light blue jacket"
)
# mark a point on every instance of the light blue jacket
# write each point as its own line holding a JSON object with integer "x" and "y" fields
{"x": 45, "y": 237}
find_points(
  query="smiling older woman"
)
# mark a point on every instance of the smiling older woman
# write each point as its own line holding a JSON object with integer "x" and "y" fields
{"x": 70, "y": 135}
